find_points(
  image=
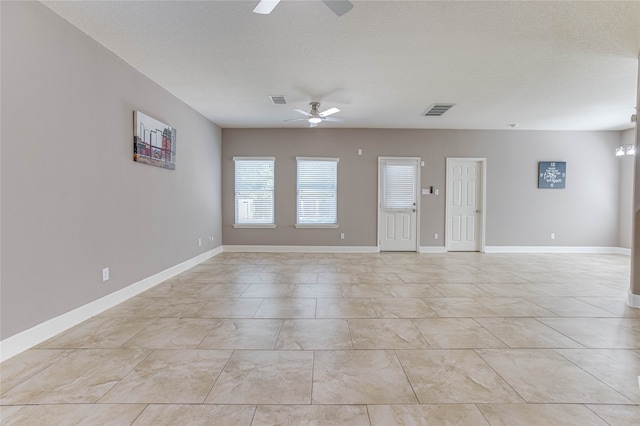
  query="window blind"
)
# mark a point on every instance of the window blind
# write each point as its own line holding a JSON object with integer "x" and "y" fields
{"x": 317, "y": 191}
{"x": 254, "y": 191}
{"x": 399, "y": 186}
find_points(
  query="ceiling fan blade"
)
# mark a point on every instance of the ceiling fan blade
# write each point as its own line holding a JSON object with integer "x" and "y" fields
{"x": 313, "y": 124}
{"x": 265, "y": 7}
{"x": 335, "y": 119}
{"x": 339, "y": 7}
{"x": 329, "y": 112}
{"x": 303, "y": 112}
{"x": 296, "y": 119}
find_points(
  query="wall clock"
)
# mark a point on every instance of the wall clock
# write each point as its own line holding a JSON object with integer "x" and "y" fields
{"x": 552, "y": 174}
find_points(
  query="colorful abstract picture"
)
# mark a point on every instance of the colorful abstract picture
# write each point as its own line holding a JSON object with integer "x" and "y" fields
{"x": 154, "y": 142}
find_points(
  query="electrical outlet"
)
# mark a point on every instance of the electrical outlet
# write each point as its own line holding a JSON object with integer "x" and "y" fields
{"x": 436, "y": 236}
{"x": 105, "y": 274}
{"x": 342, "y": 236}
{"x": 199, "y": 242}
{"x": 553, "y": 236}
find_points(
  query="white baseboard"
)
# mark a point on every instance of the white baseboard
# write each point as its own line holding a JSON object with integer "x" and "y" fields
{"x": 319, "y": 249}
{"x": 24, "y": 340}
{"x": 421, "y": 249}
{"x": 556, "y": 249}
{"x": 300, "y": 249}
{"x": 432, "y": 249}
{"x": 633, "y": 300}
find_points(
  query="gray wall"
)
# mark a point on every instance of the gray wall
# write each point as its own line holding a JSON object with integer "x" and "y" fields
{"x": 626, "y": 190}
{"x": 586, "y": 213}
{"x": 73, "y": 201}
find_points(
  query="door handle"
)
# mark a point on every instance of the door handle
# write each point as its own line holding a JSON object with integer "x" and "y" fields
{"x": 478, "y": 211}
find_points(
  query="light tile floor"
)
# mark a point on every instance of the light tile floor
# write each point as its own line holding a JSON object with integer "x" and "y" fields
{"x": 348, "y": 339}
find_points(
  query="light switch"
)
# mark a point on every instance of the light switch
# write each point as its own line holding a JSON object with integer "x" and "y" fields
{"x": 436, "y": 191}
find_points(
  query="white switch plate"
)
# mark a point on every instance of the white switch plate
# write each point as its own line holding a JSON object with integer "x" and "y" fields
{"x": 436, "y": 236}
{"x": 436, "y": 191}
{"x": 359, "y": 151}
{"x": 105, "y": 274}
{"x": 199, "y": 242}
{"x": 553, "y": 236}
{"x": 342, "y": 236}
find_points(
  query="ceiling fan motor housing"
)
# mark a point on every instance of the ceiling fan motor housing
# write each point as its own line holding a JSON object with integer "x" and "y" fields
{"x": 314, "y": 115}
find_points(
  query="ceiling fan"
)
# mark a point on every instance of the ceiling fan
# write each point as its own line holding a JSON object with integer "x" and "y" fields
{"x": 339, "y": 7}
{"x": 314, "y": 116}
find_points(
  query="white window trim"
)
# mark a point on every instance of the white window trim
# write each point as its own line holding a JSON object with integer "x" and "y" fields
{"x": 317, "y": 159}
{"x": 317, "y": 225}
{"x": 256, "y": 225}
{"x": 255, "y": 159}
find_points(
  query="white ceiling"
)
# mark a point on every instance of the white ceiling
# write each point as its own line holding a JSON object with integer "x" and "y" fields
{"x": 554, "y": 65}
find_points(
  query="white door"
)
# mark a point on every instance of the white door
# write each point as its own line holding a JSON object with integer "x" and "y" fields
{"x": 465, "y": 201}
{"x": 398, "y": 204}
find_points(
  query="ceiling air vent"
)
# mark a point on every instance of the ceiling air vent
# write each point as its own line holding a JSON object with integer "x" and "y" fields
{"x": 278, "y": 100}
{"x": 436, "y": 110}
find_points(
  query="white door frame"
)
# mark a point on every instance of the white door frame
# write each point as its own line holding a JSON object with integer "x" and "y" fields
{"x": 483, "y": 199}
{"x": 418, "y": 192}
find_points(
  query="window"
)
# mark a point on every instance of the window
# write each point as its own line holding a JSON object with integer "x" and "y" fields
{"x": 254, "y": 192}
{"x": 317, "y": 192}
{"x": 399, "y": 186}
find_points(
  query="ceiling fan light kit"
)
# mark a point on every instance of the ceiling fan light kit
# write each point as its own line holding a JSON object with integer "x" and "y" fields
{"x": 314, "y": 117}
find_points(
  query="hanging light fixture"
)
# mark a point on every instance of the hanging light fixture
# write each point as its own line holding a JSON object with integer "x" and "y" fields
{"x": 626, "y": 150}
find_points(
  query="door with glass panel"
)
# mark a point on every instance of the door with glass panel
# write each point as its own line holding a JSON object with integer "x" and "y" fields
{"x": 398, "y": 181}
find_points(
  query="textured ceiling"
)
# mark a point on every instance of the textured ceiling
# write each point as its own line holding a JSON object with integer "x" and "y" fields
{"x": 545, "y": 65}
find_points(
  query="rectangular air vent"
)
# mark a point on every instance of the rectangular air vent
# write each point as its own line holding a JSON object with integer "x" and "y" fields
{"x": 278, "y": 100}
{"x": 436, "y": 110}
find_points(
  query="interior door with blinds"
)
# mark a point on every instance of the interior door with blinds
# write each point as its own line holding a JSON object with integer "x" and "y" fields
{"x": 398, "y": 181}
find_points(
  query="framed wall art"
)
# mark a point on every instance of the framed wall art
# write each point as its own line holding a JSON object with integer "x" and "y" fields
{"x": 552, "y": 174}
{"x": 154, "y": 142}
